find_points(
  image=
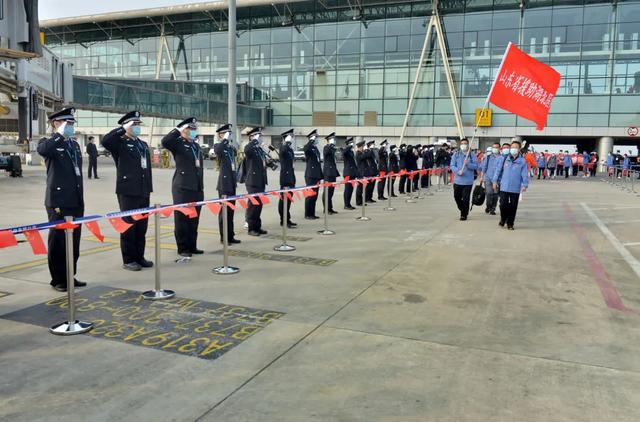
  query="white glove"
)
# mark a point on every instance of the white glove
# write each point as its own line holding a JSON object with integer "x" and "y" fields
{"x": 181, "y": 128}
{"x": 60, "y": 129}
{"x": 127, "y": 125}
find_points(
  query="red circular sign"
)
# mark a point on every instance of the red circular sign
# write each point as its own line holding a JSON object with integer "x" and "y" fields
{"x": 632, "y": 131}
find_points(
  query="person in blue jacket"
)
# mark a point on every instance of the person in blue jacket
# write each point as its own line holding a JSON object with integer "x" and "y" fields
{"x": 567, "y": 164}
{"x": 609, "y": 163}
{"x": 512, "y": 179}
{"x": 626, "y": 165}
{"x": 542, "y": 166}
{"x": 489, "y": 166}
{"x": 463, "y": 166}
{"x": 586, "y": 159}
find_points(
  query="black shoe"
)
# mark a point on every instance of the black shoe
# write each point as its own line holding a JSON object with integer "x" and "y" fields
{"x": 78, "y": 283}
{"x": 492, "y": 212}
{"x": 253, "y": 233}
{"x": 233, "y": 241}
{"x": 349, "y": 207}
{"x": 332, "y": 212}
{"x": 132, "y": 266}
{"x": 195, "y": 251}
{"x": 382, "y": 198}
{"x": 401, "y": 192}
{"x": 393, "y": 195}
{"x": 262, "y": 231}
{"x": 463, "y": 218}
{"x": 96, "y": 177}
{"x": 185, "y": 254}
{"x": 59, "y": 288}
{"x": 487, "y": 210}
{"x": 371, "y": 201}
{"x": 358, "y": 204}
{"x": 501, "y": 223}
{"x": 144, "y": 263}
{"x": 291, "y": 225}
{"x": 510, "y": 228}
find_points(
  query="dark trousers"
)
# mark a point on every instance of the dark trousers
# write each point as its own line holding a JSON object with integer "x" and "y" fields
{"x": 425, "y": 180}
{"x": 393, "y": 186}
{"x": 462, "y": 194}
{"x": 492, "y": 197}
{"x": 281, "y": 205}
{"x": 415, "y": 181}
{"x": 310, "y": 202}
{"x": 592, "y": 171}
{"x": 57, "y": 250}
{"x": 541, "y": 173}
{"x": 368, "y": 190}
{"x": 552, "y": 171}
{"x": 359, "y": 194}
{"x": 329, "y": 195}
{"x": 348, "y": 193}
{"x": 509, "y": 207}
{"x": 186, "y": 229}
{"x": 566, "y": 172}
{"x": 132, "y": 242}
{"x": 254, "y": 211}
{"x": 231, "y": 234}
{"x": 403, "y": 182}
{"x": 93, "y": 165}
{"x": 381, "y": 185}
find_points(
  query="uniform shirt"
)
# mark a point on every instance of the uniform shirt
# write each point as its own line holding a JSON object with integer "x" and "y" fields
{"x": 287, "y": 175}
{"x": 586, "y": 159}
{"x": 567, "y": 160}
{"x": 383, "y": 157}
{"x": 63, "y": 160}
{"x": 542, "y": 163}
{"x": 228, "y": 178}
{"x": 350, "y": 167}
{"x": 427, "y": 159}
{"x": 457, "y": 162}
{"x": 188, "y": 176}
{"x": 92, "y": 150}
{"x": 128, "y": 155}
{"x": 254, "y": 165}
{"x": 394, "y": 162}
{"x": 489, "y": 166}
{"x": 330, "y": 167}
{"x": 312, "y": 155}
{"x": 512, "y": 175}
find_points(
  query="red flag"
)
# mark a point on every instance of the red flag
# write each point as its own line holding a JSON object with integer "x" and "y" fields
{"x": 290, "y": 197}
{"x": 346, "y": 178}
{"x": 354, "y": 182}
{"x": 264, "y": 199}
{"x": 298, "y": 194}
{"x": 137, "y": 217}
{"x": 364, "y": 182}
{"x": 214, "y": 207}
{"x": 253, "y": 200}
{"x": 35, "y": 240}
{"x": 243, "y": 203}
{"x": 230, "y": 205}
{"x": 525, "y": 86}
{"x": 167, "y": 211}
{"x": 188, "y": 211}
{"x": 95, "y": 229}
{"x": 423, "y": 172}
{"x": 383, "y": 173}
{"x": 274, "y": 193}
{"x": 119, "y": 224}
{"x": 7, "y": 238}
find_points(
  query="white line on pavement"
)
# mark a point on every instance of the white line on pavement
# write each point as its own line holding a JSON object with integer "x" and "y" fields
{"x": 631, "y": 260}
{"x": 632, "y": 244}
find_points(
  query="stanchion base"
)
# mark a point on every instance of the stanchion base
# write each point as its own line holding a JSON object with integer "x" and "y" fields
{"x": 158, "y": 294}
{"x": 410, "y": 201}
{"x": 326, "y": 232}
{"x": 68, "y": 328}
{"x": 284, "y": 248}
{"x": 363, "y": 218}
{"x": 226, "y": 270}
{"x": 389, "y": 209}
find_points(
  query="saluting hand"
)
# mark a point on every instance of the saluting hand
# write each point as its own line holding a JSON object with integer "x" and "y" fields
{"x": 60, "y": 129}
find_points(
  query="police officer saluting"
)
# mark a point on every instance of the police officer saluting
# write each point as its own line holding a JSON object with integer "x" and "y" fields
{"x": 383, "y": 166}
{"x": 312, "y": 175}
{"x": 256, "y": 181}
{"x": 372, "y": 170}
{"x": 287, "y": 175}
{"x": 226, "y": 154}
{"x": 64, "y": 195}
{"x": 133, "y": 185}
{"x": 361, "y": 160}
{"x": 330, "y": 168}
{"x": 187, "y": 184}
{"x": 350, "y": 170}
{"x": 394, "y": 166}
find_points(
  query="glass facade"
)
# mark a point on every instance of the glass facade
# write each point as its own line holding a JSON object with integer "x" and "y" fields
{"x": 326, "y": 58}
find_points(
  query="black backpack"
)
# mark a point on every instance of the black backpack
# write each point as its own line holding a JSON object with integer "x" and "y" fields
{"x": 477, "y": 198}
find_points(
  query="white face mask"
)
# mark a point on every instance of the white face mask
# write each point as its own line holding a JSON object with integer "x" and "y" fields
{"x": 489, "y": 152}
{"x": 464, "y": 147}
{"x": 332, "y": 141}
{"x": 495, "y": 150}
{"x": 226, "y": 136}
{"x": 288, "y": 139}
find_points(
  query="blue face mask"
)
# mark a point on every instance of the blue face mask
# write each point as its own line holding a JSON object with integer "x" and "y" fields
{"x": 193, "y": 134}
{"x": 68, "y": 131}
{"x": 505, "y": 152}
{"x": 136, "y": 130}
{"x": 514, "y": 152}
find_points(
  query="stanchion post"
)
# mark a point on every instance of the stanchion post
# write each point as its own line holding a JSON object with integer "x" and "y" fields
{"x": 326, "y": 231}
{"x": 284, "y": 247}
{"x": 158, "y": 293}
{"x": 389, "y": 207}
{"x": 72, "y": 326}
{"x": 363, "y": 217}
{"x": 225, "y": 268}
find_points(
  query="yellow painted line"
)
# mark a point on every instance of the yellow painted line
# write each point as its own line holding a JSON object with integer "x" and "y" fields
{"x": 42, "y": 261}
{"x": 200, "y": 230}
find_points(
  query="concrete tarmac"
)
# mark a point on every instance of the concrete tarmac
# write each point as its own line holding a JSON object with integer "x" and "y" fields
{"x": 419, "y": 317}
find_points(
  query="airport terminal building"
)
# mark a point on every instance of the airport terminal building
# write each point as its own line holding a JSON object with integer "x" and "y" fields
{"x": 349, "y": 66}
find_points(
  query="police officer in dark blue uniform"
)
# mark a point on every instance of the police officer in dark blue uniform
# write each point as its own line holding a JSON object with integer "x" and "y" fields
{"x": 372, "y": 171}
{"x": 394, "y": 166}
{"x": 287, "y": 174}
{"x": 403, "y": 166}
{"x": 363, "y": 165}
{"x": 133, "y": 185}
{"x": 330, "y": 168}
{"x": 256, "y": 178}
{"x": 313, "y": 174}
{"x": 383, "y": 166}
{"x": 226, "y": 153}
{"x": 427, "y": 163}
{"x": 350, "y": 170}
{"x": 188, "y": 182}
{"x": 64, "y": 195}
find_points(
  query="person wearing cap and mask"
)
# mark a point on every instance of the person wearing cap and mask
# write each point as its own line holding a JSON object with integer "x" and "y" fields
{"x": 394, "y": 166}
{"x": 403, "y": 166}
{"x": 92, "y": 152}
{"x": 511, "y": 178}
{"x": 226, "y": 154}
{"x": 427, "y": 164}
{"x": 383, "y": 161}
{"x": 287, "y": 175}
{"x": 463, "y": 166}
{"x": 256, "y": 180}
{"x": 372, "y": 170}
{"x": 411, "y": 163}
{"x": 64, "y": 193}
{"x": 350, "y": 170}
{"x": 330, "y": 168}
{"x": 312, "y": 174}
{"x": 133, "y": 185}
{"x": 188, "y": 182}
{"x": 361, "y": 161}
{"x": 489, "y": 166}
